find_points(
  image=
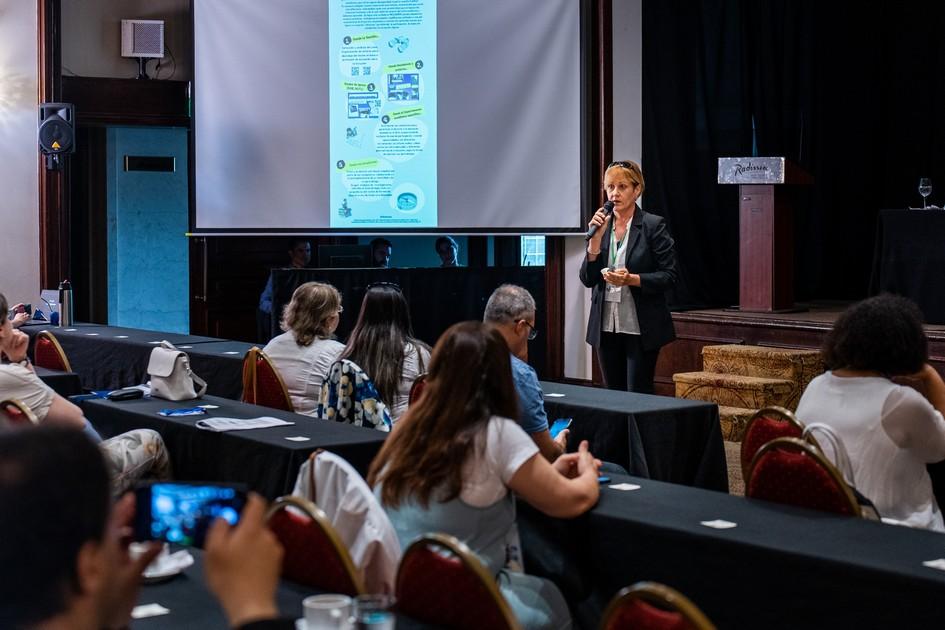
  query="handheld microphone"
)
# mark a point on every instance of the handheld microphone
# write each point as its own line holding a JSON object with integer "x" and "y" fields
{"x": 608, "y": 210}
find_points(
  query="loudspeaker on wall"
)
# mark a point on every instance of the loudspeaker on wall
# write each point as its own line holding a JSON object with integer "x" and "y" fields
{"x": 56, "y": 128}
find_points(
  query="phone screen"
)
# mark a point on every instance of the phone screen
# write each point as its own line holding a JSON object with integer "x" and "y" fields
{"x": 559, "y": 425}
{"x": 181, "y": 513}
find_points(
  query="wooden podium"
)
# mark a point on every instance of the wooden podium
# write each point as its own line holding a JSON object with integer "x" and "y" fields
{"x": 766, "y": 229}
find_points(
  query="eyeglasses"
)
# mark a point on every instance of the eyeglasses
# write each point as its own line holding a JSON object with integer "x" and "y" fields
{"x": 532, "y": 331}
{"x": 381, "y": 285}
{"x": 624, "y": 164}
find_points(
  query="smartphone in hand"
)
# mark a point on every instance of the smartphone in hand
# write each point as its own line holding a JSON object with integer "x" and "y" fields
{"x": 182, "y": 512}
{"x": 559, "y": 425}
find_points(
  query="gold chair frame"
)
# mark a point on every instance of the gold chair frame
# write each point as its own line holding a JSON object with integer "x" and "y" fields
{"x": 45, "y": 334}
{"x": 662, "y": 595}
{"x": 797, "y": 445}
{"x": 249, "y": 376}
{"x": 773, "y": 410}
{"x": 20, "y": 406}
{"x": 469, "y": 559}
{"x": 321, "y": 521}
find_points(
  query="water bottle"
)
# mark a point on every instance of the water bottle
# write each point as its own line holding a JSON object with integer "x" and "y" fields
{"x": 65, "y": 304}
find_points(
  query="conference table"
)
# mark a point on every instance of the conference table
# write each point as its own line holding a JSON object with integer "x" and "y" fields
{"x": 267, "y": 460}
{"x": 63, "y": 383}
{"x": 193, "y": 607}
{"x": 657, "y": 437}
{"x": 778, "y": 567}
{"x": 112, "y": 357}
{"x": 908, "y": 259}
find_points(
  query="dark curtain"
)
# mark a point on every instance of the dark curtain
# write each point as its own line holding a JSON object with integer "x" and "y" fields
{"x": 851, "y": 92}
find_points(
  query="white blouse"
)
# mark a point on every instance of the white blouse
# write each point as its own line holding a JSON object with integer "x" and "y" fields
{"x": 302, "y": 368}
{"x": 890, "y": 433}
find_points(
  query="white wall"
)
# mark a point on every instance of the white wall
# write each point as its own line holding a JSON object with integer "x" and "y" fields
{"x": 91, "y": 37}
{"x": 627, "y": 144}
{"x": 19, "y": 179}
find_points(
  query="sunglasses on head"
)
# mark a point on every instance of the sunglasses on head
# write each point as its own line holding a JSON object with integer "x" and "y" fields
{"x": 623, "y": 164}
{"x": 389, "y": 285}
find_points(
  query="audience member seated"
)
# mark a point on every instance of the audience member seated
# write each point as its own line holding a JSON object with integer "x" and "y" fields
{"x": 885, "y": 402}
{"x": 305, "y": 351}
{"x": 300, "y": 254}
{"x": 511, "y": 309}
{"x": 64, "y": 560}
{"x": 19, "y": 316}
{"x": 382, "y": 344}
{"x": 131, "y": 455}
{"x": 447, "y": 250}
{"x": 455, "y": 458}
{"x": 381, "y": 250}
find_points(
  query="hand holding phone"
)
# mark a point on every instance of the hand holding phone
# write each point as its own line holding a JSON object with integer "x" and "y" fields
{"x": 181, "y": 513}
{"x": 559, "y": 425}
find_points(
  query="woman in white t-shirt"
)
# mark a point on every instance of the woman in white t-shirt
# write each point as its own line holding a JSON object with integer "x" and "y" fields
{"x": 453, "y": 461}
{"x": 382, "y": 344}
{"x": 885, "y": 402}
{"x": 304, "y": 352}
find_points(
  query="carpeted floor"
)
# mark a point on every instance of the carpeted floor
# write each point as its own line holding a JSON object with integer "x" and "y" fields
{"x": 736, "y": 485}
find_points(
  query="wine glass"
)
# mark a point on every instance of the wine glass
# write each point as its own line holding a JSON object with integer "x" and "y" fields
{"x": 925, "y": 189}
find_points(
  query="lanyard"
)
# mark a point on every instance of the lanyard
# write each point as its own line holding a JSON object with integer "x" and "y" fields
{"x": 615, "y": 244}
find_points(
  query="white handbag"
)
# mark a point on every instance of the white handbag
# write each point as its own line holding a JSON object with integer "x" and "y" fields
{"x": 171, "y": 376}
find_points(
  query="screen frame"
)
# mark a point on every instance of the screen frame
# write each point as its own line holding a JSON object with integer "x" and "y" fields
{"x": 590, "y": 141}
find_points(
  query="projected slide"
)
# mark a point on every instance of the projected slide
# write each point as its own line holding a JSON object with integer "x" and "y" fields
{"x": 382, "y": 113}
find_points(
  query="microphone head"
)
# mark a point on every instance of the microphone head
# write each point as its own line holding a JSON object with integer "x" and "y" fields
{"x": 608, "y": 206}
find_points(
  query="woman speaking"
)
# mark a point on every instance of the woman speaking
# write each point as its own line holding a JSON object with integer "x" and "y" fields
{"x": 630, "y": 264}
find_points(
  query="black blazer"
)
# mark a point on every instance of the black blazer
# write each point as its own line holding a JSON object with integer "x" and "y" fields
{"x": 650, "y": 253}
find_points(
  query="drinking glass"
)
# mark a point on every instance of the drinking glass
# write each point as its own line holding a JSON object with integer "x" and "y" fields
{"x": 373, "y": 612}
{"x": 925, "y": 189}
{"x": 326, "y": 612}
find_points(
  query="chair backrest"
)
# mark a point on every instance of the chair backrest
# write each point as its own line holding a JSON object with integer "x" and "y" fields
{"x": 349, "y": 396}
{"x": 262, "y": 383}
{"x": 419, "y": 384}
{"x": 441, "y": 582}
{"x": 17, "y": 413}
{"x": 652, "y": 606}
{"x": 314, "y": 554}
{"x": 48, "y": 353}
{"x": 765, "y": 425}
{"x": 794, "y": 472}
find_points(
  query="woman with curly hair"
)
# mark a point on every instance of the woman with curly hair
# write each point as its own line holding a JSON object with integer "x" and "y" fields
{"x": 307, "y": 348}
{"x": 885, "y": 402}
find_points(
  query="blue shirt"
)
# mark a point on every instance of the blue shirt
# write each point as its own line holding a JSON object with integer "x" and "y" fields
{"x": 530, "y": 397}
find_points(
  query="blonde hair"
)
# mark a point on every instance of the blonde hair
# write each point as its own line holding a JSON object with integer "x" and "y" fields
{"x": 632, "y": 169}
{"x": 308, "y": 314}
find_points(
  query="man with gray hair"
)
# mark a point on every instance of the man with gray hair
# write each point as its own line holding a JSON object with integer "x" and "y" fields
{"x": 511, "y": 309}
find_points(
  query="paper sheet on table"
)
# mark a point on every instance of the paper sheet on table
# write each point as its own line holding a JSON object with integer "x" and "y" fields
{"x": 624, "y": 486}
{"x": 554, "y": 395}
{"x": 240, "y": 424}
{"x": 148, "y": 610}
{"x": 935, "y": 564}
{"x": 719, "y": 524}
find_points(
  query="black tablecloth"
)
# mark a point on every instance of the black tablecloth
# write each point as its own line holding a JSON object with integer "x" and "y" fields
{"x": 909, "y": 259}
{"x": 669, "y": 439}
{"x": 63, "y": 383}
{"x": 193, "y": 606}
{"x": 112, "y": 357}
{"x": 781, "y": 567}
{"x": 261, "y": 458}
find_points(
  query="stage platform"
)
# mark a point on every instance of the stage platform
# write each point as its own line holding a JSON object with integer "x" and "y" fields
{"x": 805, "y": 329}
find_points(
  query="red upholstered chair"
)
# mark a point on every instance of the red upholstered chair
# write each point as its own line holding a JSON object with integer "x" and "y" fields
{"x": 792, "y": 471}
{"x": 419, "y": 384}
{"x": 441, "y": 582}
{"x": 49, "y": 354}
{"x": 314, "y": 554}
{"x": 765, "y": 425}
{"x": 17, "y": 413}
{"x": 652, "y": 606}
{"x": 262, "y": 384}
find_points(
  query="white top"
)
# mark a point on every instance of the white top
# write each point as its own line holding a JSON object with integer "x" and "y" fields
{"x": 302, "y": 368}
{"x": 487, "y": 472}
{"x": 619, "y": 312}
{"x": 18, "y": 382}
{"x": 410, "y": 372}
{"x": 890, "y": 433}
